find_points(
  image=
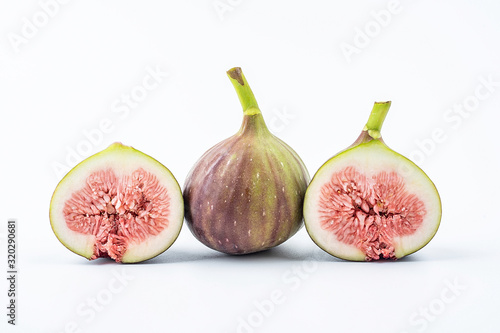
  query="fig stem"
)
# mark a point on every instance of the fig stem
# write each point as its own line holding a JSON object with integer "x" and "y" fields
{"x": 245, "y": 94}
{"x": 377, "y": 117}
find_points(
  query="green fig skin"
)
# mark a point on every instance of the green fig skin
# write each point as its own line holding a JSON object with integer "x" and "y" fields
{"x": 246, "y": 193}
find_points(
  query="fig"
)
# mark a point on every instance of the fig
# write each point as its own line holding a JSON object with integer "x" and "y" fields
{"x": 246, "y": 193}
{"x": 119, "y": 203}
{"x": 369, "y": 202}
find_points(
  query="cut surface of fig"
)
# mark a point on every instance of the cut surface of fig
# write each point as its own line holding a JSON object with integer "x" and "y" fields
{"x": 246, "y": 193}
{"x": 119, "y": 203}
{"x": 369, "y": 202}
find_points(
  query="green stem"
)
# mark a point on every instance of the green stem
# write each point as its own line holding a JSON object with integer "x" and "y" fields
{"x": 245, "y": 94}
{"x": 377, "y": 117}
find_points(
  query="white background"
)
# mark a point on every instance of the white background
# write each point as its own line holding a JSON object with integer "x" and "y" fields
{"x": 67, "y": 75}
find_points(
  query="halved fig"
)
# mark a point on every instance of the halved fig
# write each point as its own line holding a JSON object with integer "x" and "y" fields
{"x": 369, "y": 202}
{"x": 119, "y": 203}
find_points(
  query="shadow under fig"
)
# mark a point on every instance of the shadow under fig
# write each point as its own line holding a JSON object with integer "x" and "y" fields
{"x": 283, "y": 252}
{"x": 278, "y": 253}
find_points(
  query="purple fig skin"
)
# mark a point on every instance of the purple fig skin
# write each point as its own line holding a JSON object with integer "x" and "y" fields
{"x": 246, "y": 193}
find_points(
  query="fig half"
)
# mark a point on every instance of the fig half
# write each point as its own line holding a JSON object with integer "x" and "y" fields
{"x": 246, "y": 193}
{"x": 119, "y": 203}
{"x": 369, "y": 202}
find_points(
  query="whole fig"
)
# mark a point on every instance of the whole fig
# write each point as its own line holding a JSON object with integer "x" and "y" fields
{"x": 246, "y": 193}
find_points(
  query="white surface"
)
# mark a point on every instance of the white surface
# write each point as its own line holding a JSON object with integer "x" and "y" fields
{"x": 70, "y": 77}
